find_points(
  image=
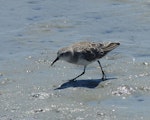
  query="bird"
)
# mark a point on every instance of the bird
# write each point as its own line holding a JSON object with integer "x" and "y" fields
{"x": 85, "y": 53}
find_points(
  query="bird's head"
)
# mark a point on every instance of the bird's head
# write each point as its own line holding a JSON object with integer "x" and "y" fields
{"x": 63, "y": 54}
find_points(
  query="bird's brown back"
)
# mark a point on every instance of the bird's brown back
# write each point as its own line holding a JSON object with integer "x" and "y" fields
{"x": 92, "y": 51}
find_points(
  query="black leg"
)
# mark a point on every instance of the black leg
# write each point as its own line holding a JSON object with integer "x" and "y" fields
{"x": 103, "y": 74}
{"x": 78, "y": 75}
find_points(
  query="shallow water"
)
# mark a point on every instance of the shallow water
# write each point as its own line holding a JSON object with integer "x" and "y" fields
{"x": 32, "y": 31}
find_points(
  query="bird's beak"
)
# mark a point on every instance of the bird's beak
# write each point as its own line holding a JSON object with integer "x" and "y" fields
{"x": 54, "y": 61}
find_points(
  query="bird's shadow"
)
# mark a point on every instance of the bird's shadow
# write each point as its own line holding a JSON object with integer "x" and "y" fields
{"x": 91, "y": 83}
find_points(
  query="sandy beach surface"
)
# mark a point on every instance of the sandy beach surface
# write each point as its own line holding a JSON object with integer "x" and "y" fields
{"x": 32, "y": 31}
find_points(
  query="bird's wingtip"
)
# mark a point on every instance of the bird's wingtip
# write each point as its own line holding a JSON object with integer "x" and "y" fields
{"x": 118, "y": 43}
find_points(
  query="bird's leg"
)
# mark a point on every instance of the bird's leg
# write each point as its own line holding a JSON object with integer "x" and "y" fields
{"x": 103, "y": 74}
{"x": 78, "y": 75}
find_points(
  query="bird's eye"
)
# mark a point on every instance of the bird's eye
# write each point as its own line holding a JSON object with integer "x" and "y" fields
{"x": 65, "y": 54}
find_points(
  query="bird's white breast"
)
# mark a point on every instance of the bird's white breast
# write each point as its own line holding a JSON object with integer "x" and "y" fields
{"x": 82, "y": 62}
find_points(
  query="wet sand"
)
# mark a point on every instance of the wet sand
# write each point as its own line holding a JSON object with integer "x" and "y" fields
{"x": 31, "y": 34}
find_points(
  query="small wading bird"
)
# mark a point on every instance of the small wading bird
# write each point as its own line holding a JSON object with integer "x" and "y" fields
{"x": 84, "y": 53}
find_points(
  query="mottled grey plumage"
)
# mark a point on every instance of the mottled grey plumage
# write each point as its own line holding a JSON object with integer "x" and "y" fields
{"x": 84, "y": 53}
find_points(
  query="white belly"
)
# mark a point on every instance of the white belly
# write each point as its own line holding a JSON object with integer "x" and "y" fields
{"x": 83, "y": 62}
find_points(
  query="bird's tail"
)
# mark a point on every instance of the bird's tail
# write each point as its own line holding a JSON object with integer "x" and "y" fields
{"x": 110, "y": 47}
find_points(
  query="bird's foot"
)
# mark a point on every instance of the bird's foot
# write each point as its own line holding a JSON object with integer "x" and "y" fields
{"x": 72, "y": 80}
{"x": 104, "y": 78}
